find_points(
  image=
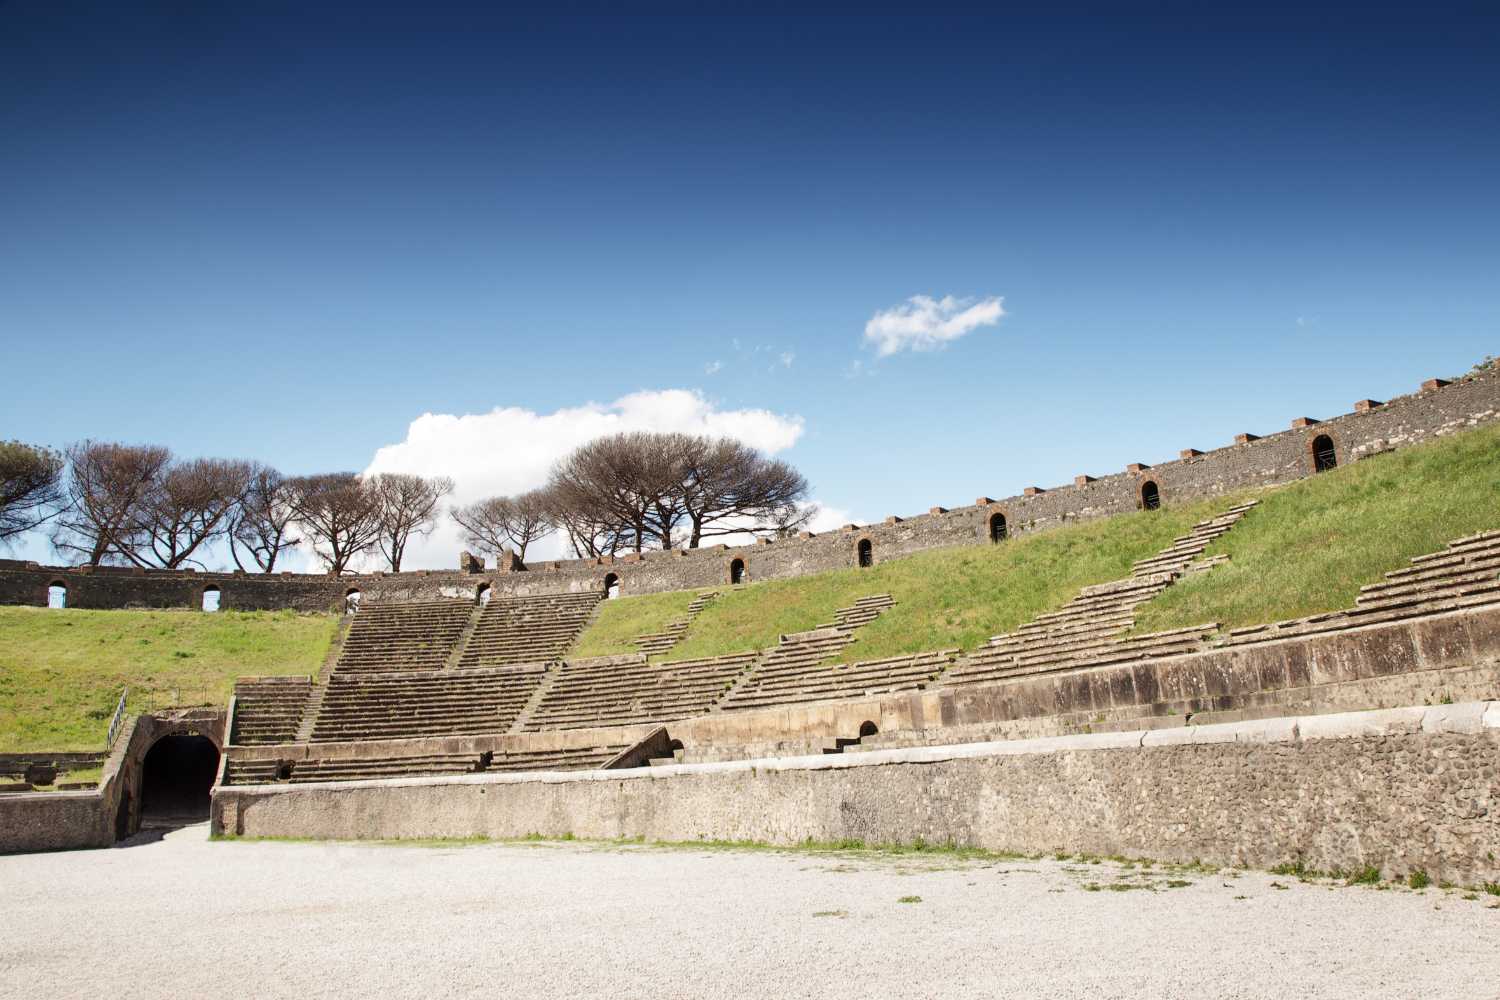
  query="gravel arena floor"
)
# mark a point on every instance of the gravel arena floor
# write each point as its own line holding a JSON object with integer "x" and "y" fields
{"x": 178, "y": 915}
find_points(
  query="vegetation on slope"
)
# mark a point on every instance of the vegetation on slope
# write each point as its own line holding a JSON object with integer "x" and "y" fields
{"x": 619, "y": 621}
{"x": 61, "y": 671}
{"x": 945, "y": 597}
{"x": 1310, "y": 546}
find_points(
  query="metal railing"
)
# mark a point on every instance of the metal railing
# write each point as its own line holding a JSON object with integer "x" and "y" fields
{"x": 116, "y": 721}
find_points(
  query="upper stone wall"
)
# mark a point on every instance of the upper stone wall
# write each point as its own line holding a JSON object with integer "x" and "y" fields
{"x": 1437, "y": 409}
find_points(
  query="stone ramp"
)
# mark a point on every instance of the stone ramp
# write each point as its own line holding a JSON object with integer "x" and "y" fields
{"x": 539, "y": 629}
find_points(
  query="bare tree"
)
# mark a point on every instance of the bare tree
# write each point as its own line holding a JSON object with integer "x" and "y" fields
{"x": 108, "y": 486}
{"x": 408, "y": 505}
{"x": 31, "y": 487}
{"x": 629, "y": 483}
{"x": 338, "y": 510}
{"x": 589, "y": 534}
{"x": 640, "y": 488}
{"x": 189, "y": 505}
{"x": 262, "y": 524}
{"x": 730, "y": 487}
{"x": 496, "y": 523}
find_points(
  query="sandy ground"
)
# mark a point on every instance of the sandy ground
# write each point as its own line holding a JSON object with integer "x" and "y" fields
{"x": 180, "y": 916}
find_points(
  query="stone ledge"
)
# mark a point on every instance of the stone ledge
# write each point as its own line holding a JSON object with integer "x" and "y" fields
{"x": 1466, "y": 718}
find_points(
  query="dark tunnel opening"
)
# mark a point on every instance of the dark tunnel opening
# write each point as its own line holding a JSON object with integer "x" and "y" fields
{"x": 176, "y": 780}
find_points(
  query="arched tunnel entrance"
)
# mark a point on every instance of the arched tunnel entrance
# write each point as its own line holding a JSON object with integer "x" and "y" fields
{"x": 176, "y": 779}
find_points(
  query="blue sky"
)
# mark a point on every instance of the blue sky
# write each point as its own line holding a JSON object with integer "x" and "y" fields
{"x": 286, "y": 235}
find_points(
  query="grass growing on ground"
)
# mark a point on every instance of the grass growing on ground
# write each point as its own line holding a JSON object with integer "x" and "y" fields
{"x": 1310, "y": 546}
{"x": 61, "y": 670}
{"x": 621, "y": 620}
{"x": 945, "y": 597}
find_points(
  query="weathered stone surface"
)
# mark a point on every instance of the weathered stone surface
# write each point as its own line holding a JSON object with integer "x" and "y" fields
{"x": 1364, "y": 791}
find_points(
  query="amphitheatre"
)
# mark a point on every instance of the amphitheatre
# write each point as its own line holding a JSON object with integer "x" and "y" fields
{"x": 1277, "y": 654}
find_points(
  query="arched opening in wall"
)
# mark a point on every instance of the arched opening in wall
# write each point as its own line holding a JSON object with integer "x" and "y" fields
{"x": 868, "y": 728}
{"x": 483, "y": 594}
{"x": 1324, "y": 455}
{"x": 1150, "y": 496}
{"x": 866, "y": 553}
{"x": 176, "y": 779}
{"x": 737, "y": 571}
{"x": 611, "y": 587}
{"x": 998, "y": 530}
{"x": 57, "y": 595}
{"x": 352, "y": 597}
{"x": 210, "y": 598}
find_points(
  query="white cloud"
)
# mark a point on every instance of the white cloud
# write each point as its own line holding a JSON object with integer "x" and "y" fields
{"x": 787, "y": 357}
{"x": 510, "y": 450}
{"x": 923, "y": 323}
{"x": 713, "y": 368}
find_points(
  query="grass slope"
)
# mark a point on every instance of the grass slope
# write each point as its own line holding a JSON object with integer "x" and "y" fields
{"x": 619, "y": 621}
{"x": 61, "y": 671}
{"x": 1310, "y": 546}
{"x": 946, "y": 597}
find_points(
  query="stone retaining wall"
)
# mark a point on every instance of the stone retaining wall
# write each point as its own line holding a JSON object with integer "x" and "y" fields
{"x": 1400, "y": 790}
{"x": 1251, "y": 461}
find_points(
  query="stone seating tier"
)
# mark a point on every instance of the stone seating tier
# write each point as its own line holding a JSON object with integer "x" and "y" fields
{"x": 587, "y": 695}
{"x": 431, "y": 703}
{"x": 793, "y": 684}
{"x": 1089, "y": 630}
{"x": 268, "y": 709}
{"x": 528, "y": 629}
{"x": 657, "y": 643}
{"x": 417, "y": 636}
{"x": 258, "y": 772}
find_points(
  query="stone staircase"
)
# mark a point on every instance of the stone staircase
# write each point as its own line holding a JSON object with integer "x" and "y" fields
{"x": 427, "y": 703}
{"x": 1464, "y": 574}
{"x": 614, "y": 693}
{"x": 419, "y": 635}
{"x": 1087, "y": 631}
{"x": 515, "y": 630}
{"x": 268, "y": 709}
{"x": 657, "y": 643}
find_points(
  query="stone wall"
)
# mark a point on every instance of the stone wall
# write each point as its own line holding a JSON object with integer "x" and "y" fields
{"x": 1251, "y": 461}
{"x": 1399, "y": 790}
{"x": 56, "y": 821}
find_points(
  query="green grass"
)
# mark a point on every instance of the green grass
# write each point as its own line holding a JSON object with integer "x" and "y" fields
{"x": 61, "y": 671}
{"x": 945, "y": 597}
{"x": 1309, "y": 546}
{"x": 621, "y": 620}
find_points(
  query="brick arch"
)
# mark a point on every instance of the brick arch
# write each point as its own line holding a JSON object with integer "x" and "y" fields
{"x": 47, "y": 592}
{"x": 1315, "y": 452}
{"x": 864, "y": 551}
{"x": 994, "y": 519}
{"x": 738, "y": 572}
{"x": 1148, "y": 494}
{"x": 612, "y": 582}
